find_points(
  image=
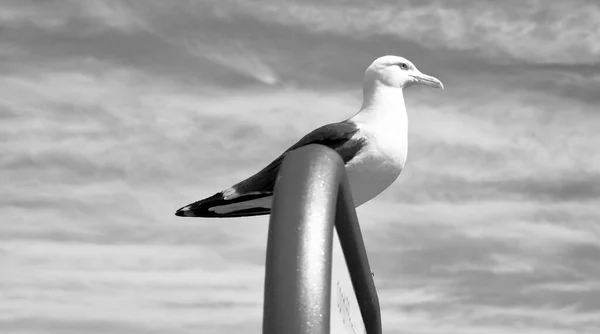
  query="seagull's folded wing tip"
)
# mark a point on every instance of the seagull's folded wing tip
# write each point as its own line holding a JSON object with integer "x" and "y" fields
{"x": 182, "y": 212}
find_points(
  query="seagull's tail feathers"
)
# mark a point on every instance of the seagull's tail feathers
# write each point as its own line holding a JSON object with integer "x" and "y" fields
{"x": 222, "y": 206}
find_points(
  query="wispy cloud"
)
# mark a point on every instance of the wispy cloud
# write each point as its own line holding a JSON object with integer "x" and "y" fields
{"x": 534, "y": 30}
{"x": 85, "y": 17}
{"x": 149, "y": 279}
{"x": 234, "y": 56}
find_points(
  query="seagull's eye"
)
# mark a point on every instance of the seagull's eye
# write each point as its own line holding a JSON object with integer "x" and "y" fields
{"x": 403, "y": 66}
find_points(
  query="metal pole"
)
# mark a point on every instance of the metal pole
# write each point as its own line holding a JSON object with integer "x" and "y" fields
{"x": 311, "y": 195}
{"x": 298, "y": 267}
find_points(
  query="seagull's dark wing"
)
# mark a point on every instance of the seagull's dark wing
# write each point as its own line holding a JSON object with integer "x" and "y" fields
{"x": 338, "y": 136}
{"x": 341, "y": 137}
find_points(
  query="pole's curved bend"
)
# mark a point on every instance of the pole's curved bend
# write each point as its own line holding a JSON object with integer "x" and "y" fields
{"x": 312, "y": 195}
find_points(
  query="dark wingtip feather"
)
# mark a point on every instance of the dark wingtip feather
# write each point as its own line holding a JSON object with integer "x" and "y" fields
{"x": 202, "y": 208}
{"x": 180, "y": 212}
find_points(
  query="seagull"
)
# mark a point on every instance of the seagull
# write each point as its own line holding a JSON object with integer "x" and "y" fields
{"x": 373, "y": 145}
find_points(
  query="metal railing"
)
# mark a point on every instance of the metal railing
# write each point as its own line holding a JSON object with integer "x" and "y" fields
{"x": 311, "y": 195}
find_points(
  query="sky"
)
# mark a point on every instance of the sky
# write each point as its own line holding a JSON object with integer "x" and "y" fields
{"x": 113, "y": 114}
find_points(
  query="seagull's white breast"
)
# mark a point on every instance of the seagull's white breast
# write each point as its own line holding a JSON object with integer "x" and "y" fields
{"x": 379, "y": 163}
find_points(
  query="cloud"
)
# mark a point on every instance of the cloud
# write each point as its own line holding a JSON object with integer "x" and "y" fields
{"x": 37, "y": 325}
{"x": 491, "y": 320}
{"x": 577, "y": 286}
{"x": 114, "y": 114}
{"x": 235, "y": 57}
{"x": 86, "y": 17}
{"x": 471, "y": 258}
{"x": 165, "y": 283}
{"x": 532, "y": 31}
{"x": 547, "y": 188}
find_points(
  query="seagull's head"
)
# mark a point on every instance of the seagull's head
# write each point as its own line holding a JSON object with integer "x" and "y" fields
{"x": 398, "y": 72}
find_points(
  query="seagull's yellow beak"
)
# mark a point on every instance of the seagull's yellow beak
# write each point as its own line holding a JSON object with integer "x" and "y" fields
{"x": 427, "y": 80}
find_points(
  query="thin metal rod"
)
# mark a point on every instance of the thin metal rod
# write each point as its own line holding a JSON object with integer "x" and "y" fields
{"x": 353, "y": 247}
